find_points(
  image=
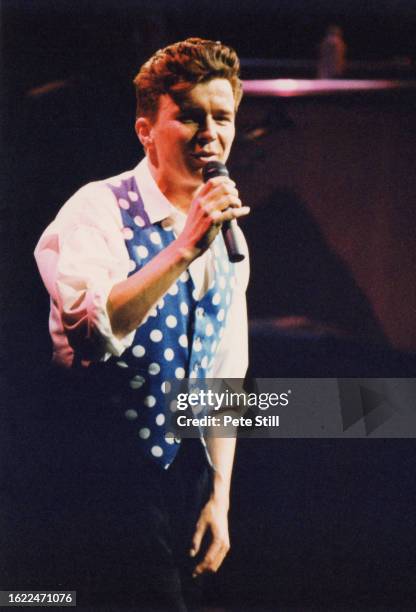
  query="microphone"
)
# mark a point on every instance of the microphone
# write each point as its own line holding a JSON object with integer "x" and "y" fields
{"x": 229, "y": 228}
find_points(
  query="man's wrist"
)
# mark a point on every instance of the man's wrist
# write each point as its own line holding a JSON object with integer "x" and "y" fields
{"x": 220, "y": 491}
{"x": 187, "y": 252}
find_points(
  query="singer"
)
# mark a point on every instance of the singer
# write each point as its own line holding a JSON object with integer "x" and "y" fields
{"x": 142, "y": 292}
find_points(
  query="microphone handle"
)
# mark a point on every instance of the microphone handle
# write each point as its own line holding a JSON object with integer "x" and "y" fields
{"x": 232, "y": 239}
{"x": 230, "y": 231}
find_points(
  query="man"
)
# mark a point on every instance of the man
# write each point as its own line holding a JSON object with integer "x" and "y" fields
{"x": 142, "y": 293}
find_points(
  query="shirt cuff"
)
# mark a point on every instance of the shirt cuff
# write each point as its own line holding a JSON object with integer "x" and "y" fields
{"x": 99, "y": 321}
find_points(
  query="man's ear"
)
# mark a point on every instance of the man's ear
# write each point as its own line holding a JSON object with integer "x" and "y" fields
{"x": 143, "y": 129}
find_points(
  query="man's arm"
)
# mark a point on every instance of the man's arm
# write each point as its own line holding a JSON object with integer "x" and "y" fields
{"x": 214, "y": 515}
{"x": 131, "y": 299}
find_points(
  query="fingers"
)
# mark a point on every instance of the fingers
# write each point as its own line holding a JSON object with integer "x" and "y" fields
{"x": 219, "y": 216}
{"x": 213, "y": 558}
{"x": 201, "y": 527}
{"x": 221, "y": 201}
{"x": 216, "y": 201}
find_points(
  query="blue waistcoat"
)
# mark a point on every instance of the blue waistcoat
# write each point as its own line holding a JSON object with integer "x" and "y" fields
{"x": 179, "y": 337}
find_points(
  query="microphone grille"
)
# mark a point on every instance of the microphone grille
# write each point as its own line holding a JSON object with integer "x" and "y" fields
{"x": 213, "y": 169}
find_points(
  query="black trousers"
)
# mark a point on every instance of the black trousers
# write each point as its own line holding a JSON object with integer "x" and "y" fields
{"x": 136, "y": 531}
{"x": 109, "y": 522}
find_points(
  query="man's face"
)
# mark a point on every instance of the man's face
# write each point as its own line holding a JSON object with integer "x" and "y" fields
{"x": 187, "y": 135}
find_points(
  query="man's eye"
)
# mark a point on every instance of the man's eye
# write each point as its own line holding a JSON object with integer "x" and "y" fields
{"x": 223, "y": 119}
{"x": 187, "y": 119}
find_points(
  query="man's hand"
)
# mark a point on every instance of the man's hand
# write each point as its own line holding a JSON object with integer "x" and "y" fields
{"x": 216, "y": 202}
{"x": 213, "y": 518}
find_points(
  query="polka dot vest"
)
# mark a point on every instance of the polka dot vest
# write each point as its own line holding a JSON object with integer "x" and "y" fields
{"x": 179, "y": 337}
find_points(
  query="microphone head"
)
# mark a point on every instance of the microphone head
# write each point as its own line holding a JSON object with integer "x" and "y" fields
{"x": 213, "y": 169}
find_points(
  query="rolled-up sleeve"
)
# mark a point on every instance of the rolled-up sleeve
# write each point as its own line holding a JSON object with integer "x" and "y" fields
{"x": 85, "y": 274}
{"x": 79, "y": 264}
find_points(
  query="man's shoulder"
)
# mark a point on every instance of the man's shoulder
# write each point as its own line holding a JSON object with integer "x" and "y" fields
{"x": 104, "y": 186}
{"x": 94, "y": 199}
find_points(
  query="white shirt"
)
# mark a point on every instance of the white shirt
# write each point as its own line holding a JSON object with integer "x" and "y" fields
{"x": 82, "y": 254}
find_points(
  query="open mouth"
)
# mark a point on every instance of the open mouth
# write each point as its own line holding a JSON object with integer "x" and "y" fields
{"x": 205, "y": 157}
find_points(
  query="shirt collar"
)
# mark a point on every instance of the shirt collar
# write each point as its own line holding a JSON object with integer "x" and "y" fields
{"x": 156, "y": 204}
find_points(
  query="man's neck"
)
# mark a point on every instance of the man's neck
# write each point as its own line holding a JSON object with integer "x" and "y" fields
{"x": 179, "y": 195}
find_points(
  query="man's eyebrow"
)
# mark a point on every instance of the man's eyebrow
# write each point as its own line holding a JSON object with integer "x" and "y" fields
{"x": 189, "y": 107}
{"x": 192, "y": 108}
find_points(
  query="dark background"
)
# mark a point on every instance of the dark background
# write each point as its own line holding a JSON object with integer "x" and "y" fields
{"x": 332, "y": 234}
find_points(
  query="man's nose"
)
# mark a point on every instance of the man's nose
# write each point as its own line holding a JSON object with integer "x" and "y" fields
{"x": 207, "y": 131}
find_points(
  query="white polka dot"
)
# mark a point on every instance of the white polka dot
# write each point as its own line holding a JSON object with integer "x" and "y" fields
{"x": 156, "y": 451}
{"x": 153, "y": 312}
{"x": 212, "y": 283}
{"x": 213, "y": 346}
{"x": 160, "y": 303}
{"x": 169, "y": 437}
{"x": 183, "y": 340}
{"x": 204, "y": 361}
{"x": 166, "y": 386}
{"x": 171, "y": 321}
{"x": 174, "y": 289}
{"x": 180, "y": 373}
{"x": 154, "y": 368}
{"x": 184, "y": 276}
{"x": 132, "y": 265}
{"x": 139, "y": 221}
{"x": 155, "y": 238}
{"x": 123, "y": 203}
{"x": 133, "y": 196}
{"x": 173, "y": 407}
{"x": 222, "y": 282}
{"x": 122, "y": 364}
{"x": 138, "y": 350}
{"x": 209, "y": 330}
{"x": 142, "y": 252}
{"x": 149, "y": 401}
{"x": 184, "y": 308}
{"x": 199, "y": 312}
{"x": 137, "y": 382}
{"x": 221, "y": 315}
{"x": 160, "y": 419}
{"x": 195, "y": 294}
{"x": 156, "y": 335}
{"x": 131, "y": 415}
{"x": 128, "y": 233}
{"x": 169, "y": 354}
{"x": 144, "y": 433}
{"x": 197, "y": 344}
{"x": 216, "y": 299}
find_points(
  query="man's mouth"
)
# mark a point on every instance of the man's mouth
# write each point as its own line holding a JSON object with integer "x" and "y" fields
{"x": 205, "y": 156}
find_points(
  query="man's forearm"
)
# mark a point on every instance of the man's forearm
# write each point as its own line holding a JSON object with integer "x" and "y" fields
{"x": 131, "y": 299}
{"x": 222, "y": 452}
